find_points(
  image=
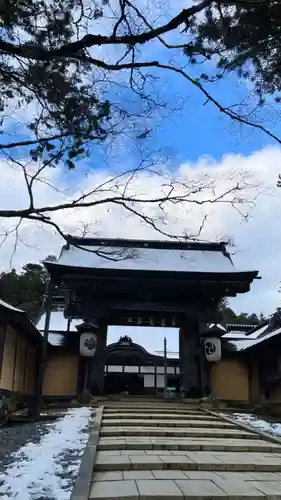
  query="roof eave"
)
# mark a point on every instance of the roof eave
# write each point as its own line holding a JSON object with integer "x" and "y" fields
{"x": 55, "y": 267}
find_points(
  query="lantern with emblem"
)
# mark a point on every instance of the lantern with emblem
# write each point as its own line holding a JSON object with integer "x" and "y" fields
{"x": 212, "y": 343}
{"x": 88, "y": 339}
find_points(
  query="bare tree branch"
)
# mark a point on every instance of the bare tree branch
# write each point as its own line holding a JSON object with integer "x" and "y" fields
{"x": 91, "y": 40}
{"x": 83, "y": 98}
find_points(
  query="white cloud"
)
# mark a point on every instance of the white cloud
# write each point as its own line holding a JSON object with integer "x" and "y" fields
{"x": 257, "y": 242}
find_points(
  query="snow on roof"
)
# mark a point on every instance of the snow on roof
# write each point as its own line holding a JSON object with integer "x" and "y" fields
{"x": 242, "y": 345}
{"x": 8, "y": 306}
{"x": 55, "y": 339}
{"x": 235, "y": 335}
{"x": 149, "y": 259}
{"x": 58, "y": 323}
{"x": 257, "y": 332}
{"x": 217, "y": 325}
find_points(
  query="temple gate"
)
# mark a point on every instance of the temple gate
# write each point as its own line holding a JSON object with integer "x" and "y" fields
{"x": 144, "y": 283}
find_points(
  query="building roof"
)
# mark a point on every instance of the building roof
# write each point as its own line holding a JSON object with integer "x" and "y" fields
{"x": 9, "y": 307}
{"x": 19, "y": 319}
{"x": 237, "y": 326}
{"x": 58, "y": 323}
{"x": 235, "y": 335}
{"x": 55, "y": 339}
{"x": 243, "y": 345}
{"x": 245, "y": 341}
{"x": 58, "y": 327}
{"x": 125, "y": 345}
{"x": 145, "y": 255}
{"x": 217, "y": 325}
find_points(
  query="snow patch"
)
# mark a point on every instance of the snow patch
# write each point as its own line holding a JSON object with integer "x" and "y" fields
{"x": 48, "y": 469}
{"x": 235, "y": 335}
{"x": 273, "y": 428}
{"x": 147, "y": 259}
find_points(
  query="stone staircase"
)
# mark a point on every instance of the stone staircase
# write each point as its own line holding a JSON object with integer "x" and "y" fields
{"x": 153, "y": 450}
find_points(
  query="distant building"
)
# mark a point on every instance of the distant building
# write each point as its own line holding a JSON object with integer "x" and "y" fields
{"x": 249, "y": 371}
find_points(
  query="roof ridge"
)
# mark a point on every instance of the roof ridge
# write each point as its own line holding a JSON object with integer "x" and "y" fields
{"x": 146, "y": 243}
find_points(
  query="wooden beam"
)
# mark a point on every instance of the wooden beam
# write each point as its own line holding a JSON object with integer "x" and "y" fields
{"x": 3, "y": 328}
{"x": 15, "y": 359}
{"x": 148, "y": 307}
{"x": 122, "y": 319}
{"x": 25, "y": 364}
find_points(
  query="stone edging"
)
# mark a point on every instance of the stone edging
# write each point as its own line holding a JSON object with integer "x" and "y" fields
{"x": 83, "y": 481}
{"x": 261, "y": 434}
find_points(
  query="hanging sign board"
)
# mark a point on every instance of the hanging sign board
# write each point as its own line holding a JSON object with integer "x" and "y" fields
{"x": 88, "y": 344}
{"x": 212, "y": 349}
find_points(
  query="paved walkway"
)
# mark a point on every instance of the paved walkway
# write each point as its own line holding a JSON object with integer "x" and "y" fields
{"x": 158, "y": 451}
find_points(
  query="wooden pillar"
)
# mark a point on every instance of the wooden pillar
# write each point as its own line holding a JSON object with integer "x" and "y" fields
{"x": 15, "y": 359}
{"x": 3, "y": 328}
{"x": 189, "y": 350}
{"x": 42, "y": 355}
{"x": 206, "y": 383}
{"x": 96, "y": 365}
{"x": 205, "y": 367}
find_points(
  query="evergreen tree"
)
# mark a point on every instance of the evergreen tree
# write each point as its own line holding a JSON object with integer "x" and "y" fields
{"x": 25, "y": 290}
{"x": 230, "y": 317}
{"x": 275, "y": 320}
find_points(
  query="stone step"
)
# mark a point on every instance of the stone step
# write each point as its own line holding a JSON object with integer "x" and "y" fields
{"x": 151, "y": 452}
{"x": 183, "y": 484}
{"x": 177, "y": 432}
{"x": 191, "y": 460}
{"x": 153, "y": 401}
{"x": 153, "y": 408}
{"x": 217, "y": 424}
{"x": 150, "y": 415}
{"x": 203, "y": 444}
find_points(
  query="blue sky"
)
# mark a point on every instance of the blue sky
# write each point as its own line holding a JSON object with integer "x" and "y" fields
{"x": 188, "y": 128}
{"x": 198, "y": 129}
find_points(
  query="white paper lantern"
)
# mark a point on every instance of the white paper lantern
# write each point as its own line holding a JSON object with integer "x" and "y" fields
{"x": 212, "y": 348}
{"x": 88, "y": 344}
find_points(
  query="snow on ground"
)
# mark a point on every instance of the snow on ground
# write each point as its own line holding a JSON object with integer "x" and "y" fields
{"x": 273, "y": 428}
{"x": 47, "y": 469}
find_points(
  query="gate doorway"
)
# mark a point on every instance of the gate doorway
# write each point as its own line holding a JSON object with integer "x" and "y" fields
{"x": 117, "y": 383}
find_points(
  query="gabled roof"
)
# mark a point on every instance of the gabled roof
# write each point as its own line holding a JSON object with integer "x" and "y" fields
{"x": 217, "y": 325}
{"x": 19, "y": 319}
{"x": 146, "y": 255}
{"x": 121, "y": 347}
{"x": 246, "y": 341}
